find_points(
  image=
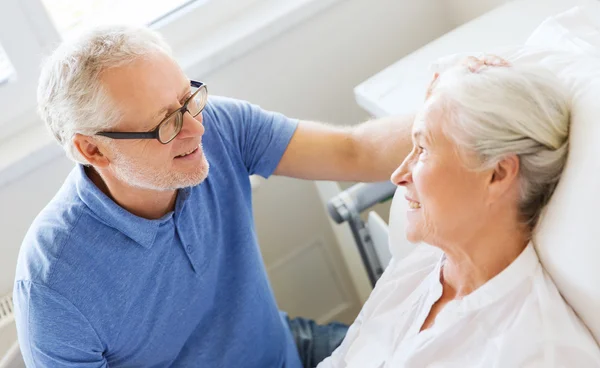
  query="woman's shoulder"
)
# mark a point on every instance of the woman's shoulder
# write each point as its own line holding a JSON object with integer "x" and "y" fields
{"x": 556, "y": 315}
{"x": 553, "y": 327}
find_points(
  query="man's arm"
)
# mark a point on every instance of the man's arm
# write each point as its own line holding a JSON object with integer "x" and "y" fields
{"x": 52, "y": 332}
{"x": 367, "y": 152}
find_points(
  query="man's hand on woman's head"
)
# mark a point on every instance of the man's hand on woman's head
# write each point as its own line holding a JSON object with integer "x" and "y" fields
{"x": 431, "y": 84}
{"x": 475, "y": 64}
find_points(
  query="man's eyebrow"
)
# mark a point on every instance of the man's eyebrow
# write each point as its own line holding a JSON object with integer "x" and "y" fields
{"x": 165, "y": 109}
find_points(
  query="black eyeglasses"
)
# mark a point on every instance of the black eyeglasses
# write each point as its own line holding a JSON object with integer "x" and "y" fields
{"x": 170, "y": 126}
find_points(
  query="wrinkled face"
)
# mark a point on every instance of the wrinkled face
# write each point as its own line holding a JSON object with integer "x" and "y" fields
{"x": 446, "y": 199}
{"x": 146, "y": 91}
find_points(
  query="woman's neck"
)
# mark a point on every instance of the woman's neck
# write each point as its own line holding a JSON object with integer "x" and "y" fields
{"x": 471, "y": 264}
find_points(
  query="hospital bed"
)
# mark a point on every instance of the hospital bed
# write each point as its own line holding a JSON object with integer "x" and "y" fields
{"x": 371, "y": 237}
{"x": 567, "y": 239}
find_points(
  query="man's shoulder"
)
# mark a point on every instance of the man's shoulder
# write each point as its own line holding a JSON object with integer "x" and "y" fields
{"x": 223, "y": 121}
{"x": 227, "y": 110}
{"x": 221, "y": 107}
{"x": 226, "y": 103}
{"x": 48, "y": 234}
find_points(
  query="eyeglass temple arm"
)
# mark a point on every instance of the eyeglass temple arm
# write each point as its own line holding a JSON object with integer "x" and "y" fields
{"x": 195, "y": 84}
{"x": 128, "y": 135}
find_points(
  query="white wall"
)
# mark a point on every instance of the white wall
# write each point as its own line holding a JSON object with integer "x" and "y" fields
{"x": 307, "y": 72}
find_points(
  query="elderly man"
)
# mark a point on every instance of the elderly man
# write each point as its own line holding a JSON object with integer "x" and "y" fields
{"x": 143, "y": 258}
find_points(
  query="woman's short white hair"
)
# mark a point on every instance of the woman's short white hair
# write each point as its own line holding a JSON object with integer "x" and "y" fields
{"x": 518, "y": 110}
{"x": 71, "y": 97}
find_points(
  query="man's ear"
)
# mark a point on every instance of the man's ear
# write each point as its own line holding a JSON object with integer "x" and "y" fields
{"x": 90, "y": 150}
{"x": 504, "y": 176}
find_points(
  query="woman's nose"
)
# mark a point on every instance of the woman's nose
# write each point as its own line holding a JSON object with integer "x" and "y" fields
{"x": 192, "y": 126}
{"x": 403, "y": 174}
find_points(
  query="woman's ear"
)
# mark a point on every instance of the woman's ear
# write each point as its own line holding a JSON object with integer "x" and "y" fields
{"x": 504, "y": 176}
{"x": 90, "y": 150}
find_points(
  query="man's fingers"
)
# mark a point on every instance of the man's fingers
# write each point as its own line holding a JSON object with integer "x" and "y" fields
{"x": 431, "y": 84}
{"x": 475, "y": 64}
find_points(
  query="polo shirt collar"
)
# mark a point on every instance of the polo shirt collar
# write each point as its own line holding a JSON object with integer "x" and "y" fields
{"x": 142, "y": 231}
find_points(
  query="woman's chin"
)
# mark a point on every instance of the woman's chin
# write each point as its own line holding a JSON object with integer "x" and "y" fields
{"x": 413, "y": 235}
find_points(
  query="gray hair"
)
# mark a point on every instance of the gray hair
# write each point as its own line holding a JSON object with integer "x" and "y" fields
{"x": 71, "y": 97}
{"x": 501, "y": 111}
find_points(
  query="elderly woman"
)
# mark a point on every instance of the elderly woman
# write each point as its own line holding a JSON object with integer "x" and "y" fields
{"x": 489, "y": 147}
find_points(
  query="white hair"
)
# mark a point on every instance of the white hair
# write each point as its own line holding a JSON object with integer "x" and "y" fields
{"x": 71, "y": 97}
{"x": 518, "y": 110}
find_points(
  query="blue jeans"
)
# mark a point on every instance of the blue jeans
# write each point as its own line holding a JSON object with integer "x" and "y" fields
{"x": 316, "y": 342}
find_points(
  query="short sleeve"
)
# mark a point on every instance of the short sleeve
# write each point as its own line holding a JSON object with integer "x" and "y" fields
{"x": 52, "y": 332}
{"x": 259, "y": 136}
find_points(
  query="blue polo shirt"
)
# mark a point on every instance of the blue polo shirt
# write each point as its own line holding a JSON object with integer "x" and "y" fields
{"x": 97, "y": 286}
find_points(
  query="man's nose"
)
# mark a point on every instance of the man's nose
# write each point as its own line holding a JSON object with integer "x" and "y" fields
{"x": 191, "y": 126}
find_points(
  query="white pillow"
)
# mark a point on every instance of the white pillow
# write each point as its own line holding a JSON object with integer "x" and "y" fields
{"x": 577, "y": 30}
{"x": 568, "y": 236}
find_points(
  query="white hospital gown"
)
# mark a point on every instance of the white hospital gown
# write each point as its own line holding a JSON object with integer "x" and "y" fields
{"x": 517, "y": 319}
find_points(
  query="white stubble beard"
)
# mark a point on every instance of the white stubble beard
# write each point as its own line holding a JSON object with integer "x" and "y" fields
{"x": 136, "y": 174}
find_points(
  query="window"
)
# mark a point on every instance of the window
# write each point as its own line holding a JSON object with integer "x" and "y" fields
{"x": 41, "y": 24}
{"x": 71, "y": 16}
{"x": 22, "y": 47}
{"x": 200, "y": 32}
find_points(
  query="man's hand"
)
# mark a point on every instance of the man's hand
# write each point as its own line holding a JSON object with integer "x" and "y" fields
{"x": 431, "y": 85}
{"x": 476, "y": 64}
